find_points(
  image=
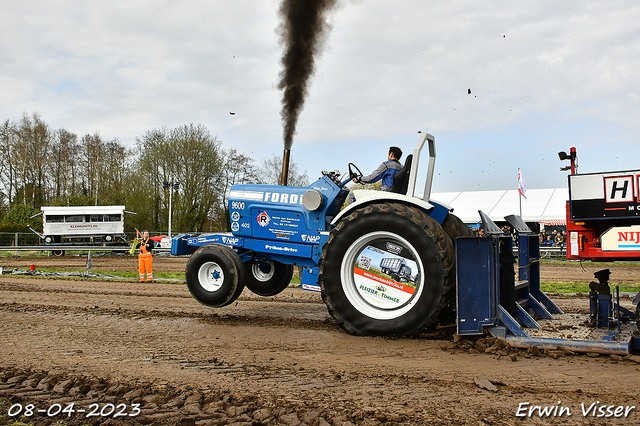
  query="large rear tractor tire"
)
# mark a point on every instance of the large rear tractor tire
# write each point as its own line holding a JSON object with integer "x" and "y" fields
{"x": 454, "y": 227}
{"x": 267, "y": 278}
{"x": 638, "y": 316}
{"x": 215, "y": 275}
{"x": 366, "y": 301}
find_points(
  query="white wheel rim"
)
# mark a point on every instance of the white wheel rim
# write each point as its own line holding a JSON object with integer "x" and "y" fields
{"x": 373, "y": 305}
{"x": 259, "y": 274}
{"x": 210, "y": 276}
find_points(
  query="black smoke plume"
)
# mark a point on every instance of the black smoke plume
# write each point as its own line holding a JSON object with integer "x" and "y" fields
{"x": 302, "y": 33}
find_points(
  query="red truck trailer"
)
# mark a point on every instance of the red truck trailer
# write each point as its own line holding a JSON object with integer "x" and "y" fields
{"x": 603, "y": 214}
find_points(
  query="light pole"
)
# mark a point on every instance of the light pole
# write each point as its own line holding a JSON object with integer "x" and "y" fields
{"x": 170, "y": 186}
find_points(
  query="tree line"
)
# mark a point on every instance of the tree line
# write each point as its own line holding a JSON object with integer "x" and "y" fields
{"x": 41, "y": 166}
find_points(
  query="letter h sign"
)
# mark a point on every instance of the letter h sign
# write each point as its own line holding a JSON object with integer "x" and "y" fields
{"x": 619, "y": 189}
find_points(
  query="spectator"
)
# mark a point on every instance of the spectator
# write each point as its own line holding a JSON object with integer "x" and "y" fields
{"x": 559, "y": 239}
{"x": 543, "y": 236}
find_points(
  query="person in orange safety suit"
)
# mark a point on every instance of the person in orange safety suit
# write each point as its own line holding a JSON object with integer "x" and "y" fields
{"x": 145, "y": 257}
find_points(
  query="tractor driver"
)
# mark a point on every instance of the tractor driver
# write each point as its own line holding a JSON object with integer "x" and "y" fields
{"x": 386, "y": 171}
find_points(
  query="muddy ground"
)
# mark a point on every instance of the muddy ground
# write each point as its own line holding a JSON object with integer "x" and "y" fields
{"x": 116, "y": 348}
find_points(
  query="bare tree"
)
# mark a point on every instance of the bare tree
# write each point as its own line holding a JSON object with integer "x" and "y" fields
{"x": 40, "y": 158}
{"x": 8, "y": 163}
{"x": 115, "y": 172}
{"x": 190, "y": 156}
{"x": 271, "y": 173}
{"x": 22, "y": 150}
{"x": 32, "y": 151}
{"x": 236, "y": 169}
{"x": 40, "y": 166}
{"x": 199, "y": 161}
{"x": 92, "y": 160}
{"x": 155, "y": 166}
{"x": 63, "y": 167}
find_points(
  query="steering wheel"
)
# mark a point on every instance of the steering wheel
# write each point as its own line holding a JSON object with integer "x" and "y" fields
{"x": 352, "y": 173}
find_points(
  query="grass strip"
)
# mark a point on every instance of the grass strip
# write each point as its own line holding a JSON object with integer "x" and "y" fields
{"x": 564, "y": 287}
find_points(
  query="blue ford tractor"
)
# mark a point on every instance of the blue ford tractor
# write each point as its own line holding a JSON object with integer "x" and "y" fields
{"x": 388, "y": 264}
{"x": 274, "y": 228}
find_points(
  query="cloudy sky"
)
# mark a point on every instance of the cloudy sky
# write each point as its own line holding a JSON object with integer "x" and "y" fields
{"x": 544, "y": 76}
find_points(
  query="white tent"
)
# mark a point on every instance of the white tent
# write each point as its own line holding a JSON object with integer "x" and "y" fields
{"x": 546, "y": 206}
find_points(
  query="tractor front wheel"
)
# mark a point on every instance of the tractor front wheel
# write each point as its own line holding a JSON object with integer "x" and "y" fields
{"x": 267, "y": 278}
{"x": 215, "y": 275}
{"x": 362, "y": 299}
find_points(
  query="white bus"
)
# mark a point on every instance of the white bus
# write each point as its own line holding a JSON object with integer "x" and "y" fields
{"x": 98, "y": 223}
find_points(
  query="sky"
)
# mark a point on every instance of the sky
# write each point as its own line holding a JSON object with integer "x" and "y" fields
{"x": 544, "y": 76}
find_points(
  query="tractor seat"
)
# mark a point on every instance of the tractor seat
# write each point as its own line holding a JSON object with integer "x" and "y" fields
{"x": 401, "y": 179}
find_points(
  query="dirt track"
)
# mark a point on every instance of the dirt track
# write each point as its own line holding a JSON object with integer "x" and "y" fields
{"x": 279, "y": 360}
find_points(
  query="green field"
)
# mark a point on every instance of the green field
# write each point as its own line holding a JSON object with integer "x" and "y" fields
{"x": 564, "y": 287}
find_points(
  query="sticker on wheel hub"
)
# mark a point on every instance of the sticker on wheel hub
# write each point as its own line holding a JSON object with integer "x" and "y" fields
{"x": 384, "y": 276}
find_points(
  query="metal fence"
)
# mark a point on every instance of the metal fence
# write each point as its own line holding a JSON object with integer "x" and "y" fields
{"x": 19, "y": 239}
{"x": 29, "y": 239}
{"x": 553, "y": 252}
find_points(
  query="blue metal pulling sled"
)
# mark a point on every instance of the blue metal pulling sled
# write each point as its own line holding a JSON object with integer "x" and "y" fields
{"x": 489, "y": 299}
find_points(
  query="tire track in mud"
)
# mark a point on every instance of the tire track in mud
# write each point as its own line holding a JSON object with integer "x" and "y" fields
{"x": 134, "y": 288}
{"x": 327, "y": 323}
{"x": 162, "y": 404}
{"x": 23, "y": 287}
{"x": 329, "y": 393}
{"x": 149, "y": 403}
{"x": 294, "y": 308}
{"x": 299, "y": 310}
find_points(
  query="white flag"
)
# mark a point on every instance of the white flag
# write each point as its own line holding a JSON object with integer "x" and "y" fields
{"x": 522, "y": 188}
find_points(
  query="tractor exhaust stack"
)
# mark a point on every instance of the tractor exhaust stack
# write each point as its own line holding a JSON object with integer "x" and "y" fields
{"x": 285, "y": 167}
